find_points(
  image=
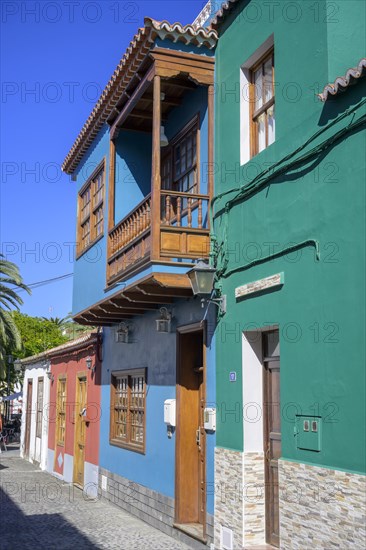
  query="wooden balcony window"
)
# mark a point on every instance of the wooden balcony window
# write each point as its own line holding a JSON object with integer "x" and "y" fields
{"x": 179, "y": 163}
{"x": 127, "y": 421}
{"x": 91, "y": 210}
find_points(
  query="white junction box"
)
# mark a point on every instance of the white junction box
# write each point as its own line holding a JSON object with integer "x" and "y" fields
{"x": 169, "y": 412}
{"x": 209, "y": 417}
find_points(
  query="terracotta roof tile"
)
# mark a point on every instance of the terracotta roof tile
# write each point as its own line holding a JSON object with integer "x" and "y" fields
{"x": 90, "y": 337}
{"x": 220, "y": 15}
{"x": 343, "y": 82}
{"x": 127, "y": 67}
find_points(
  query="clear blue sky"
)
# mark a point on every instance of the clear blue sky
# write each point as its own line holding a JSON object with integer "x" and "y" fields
{"x": 56, "y": 57}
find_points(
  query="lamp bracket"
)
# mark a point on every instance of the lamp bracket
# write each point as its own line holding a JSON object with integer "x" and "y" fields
{"x": 219, "y": 302}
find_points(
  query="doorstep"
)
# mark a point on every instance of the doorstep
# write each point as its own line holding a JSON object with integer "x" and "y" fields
{"x": 194, "y": 530}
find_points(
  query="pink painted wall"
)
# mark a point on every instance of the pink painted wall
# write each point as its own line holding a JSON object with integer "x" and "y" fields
{"x": 70, "y": 363}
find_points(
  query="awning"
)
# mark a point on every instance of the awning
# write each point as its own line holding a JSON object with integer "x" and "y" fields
{"x": 12, "y": 396}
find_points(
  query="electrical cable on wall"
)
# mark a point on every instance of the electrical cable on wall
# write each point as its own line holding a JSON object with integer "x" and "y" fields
{"x": 219, "y": 250}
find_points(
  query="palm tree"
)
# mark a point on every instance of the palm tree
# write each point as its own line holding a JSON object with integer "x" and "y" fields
{"x": 56, "y": 320}
{"x": 9, "y": 298}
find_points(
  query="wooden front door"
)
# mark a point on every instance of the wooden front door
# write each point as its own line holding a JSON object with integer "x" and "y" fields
{"x": 80, "y": 430}
{"x": 272, "y": 432}
{"x": 190, "y": 474}
{"x": 28, "y": 418}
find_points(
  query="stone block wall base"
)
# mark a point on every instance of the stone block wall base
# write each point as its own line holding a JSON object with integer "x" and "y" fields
{"x": 321, "y": 508}
{"x": 239, "y": 497}
{"x": 148, "y": 505}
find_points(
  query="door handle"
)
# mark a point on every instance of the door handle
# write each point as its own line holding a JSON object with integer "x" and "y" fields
{"x": 198, "y": 436}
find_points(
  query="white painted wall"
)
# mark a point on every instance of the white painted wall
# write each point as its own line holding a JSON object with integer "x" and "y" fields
{"x": 252, "y": 391}
{"x": 91, "y": 480}
{"x": 68, "y": 468}
{"x": 38, "y": 446}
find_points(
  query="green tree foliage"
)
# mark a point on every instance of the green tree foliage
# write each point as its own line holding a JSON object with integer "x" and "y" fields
{"x": 10, "y": 284}
{"x": 68, "y": 327}
{"x": 37, "y": 334}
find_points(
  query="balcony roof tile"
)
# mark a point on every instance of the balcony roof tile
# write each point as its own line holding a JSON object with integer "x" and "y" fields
{"x": 135, "y": 54}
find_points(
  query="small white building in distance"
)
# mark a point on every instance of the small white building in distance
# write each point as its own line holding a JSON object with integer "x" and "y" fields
{"x": 36, "y": 391}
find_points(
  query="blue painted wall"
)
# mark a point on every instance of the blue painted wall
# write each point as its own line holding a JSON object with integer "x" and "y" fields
{"x": 157, "y": 353}
{"x": 133, "y": 171}
{"x": 90, "y": 269}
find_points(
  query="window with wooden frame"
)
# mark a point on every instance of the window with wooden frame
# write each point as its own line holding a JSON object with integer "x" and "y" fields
{"x": 128, "y": 404}
{"x": 262, "y": 101}
{"x": 39, "y": 416}
{"x": 179, "y": 161}
{"x": 61, "y": 411}
{"x": 91, "y": 209}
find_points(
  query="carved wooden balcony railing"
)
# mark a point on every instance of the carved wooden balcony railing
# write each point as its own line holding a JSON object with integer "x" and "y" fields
{"x": 129, "y": 240}
{"x": 182, "y": 233}
{"x": 183, "y": 228}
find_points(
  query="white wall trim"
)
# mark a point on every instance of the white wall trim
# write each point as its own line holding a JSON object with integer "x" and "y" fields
{"x": 252, "y": 369}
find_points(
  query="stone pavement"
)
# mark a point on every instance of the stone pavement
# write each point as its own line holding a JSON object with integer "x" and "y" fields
{"x": 38, "y": 511}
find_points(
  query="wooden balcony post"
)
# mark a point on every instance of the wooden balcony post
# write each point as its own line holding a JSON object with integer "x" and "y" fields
{"x": 155, "y": 172}
{"x": 210, "y": 112}
{"x": 111, "y": 187}
{"x": 111, "y": 183}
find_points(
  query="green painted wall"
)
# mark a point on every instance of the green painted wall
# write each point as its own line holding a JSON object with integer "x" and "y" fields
{"x": 319, "y": 309}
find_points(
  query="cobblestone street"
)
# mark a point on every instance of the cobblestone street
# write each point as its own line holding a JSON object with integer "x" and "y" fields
{"x": 37, "y": 511}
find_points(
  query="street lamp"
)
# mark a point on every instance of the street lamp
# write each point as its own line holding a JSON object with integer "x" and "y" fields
{"x": 202, "y": 278}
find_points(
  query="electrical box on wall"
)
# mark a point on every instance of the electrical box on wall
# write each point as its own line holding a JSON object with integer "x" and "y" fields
{"x": 209, "y": 418}
{"x": 169, "y": 412}
{"x": 308, "y": 431}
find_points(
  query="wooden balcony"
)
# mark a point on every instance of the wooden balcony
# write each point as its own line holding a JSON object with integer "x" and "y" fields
{"x": 181, "y": 232}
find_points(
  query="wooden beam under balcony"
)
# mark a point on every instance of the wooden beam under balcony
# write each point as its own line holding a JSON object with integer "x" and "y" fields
{"x": 145, "y": 115}
{"x": 147, "y": 294}
{"x": 100, "y": 310}
{"x": 117, "y": 304}
{"x": 132, "y": 102}
{"x": 168, "y": 100}
{"x": 157, "y": 292}
{"x": 136, "y": 296}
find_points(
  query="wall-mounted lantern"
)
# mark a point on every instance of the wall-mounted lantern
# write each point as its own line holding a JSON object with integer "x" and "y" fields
{"x": 123, "y": 333}
{"x": 163, "y": 324}
{"x": 50, "y": 376}
{"x": 202, "y": 278}
{"x": 89, "y": 364}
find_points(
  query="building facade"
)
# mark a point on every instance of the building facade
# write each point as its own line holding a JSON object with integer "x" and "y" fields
{"x": 141, "y": 163}
{"x": 74, "y": 412}
{"x": 34, "y": 427}
{"x": 289, "y": 237}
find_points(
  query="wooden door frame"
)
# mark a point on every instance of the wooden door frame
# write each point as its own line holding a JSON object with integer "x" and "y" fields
{"x": 61, "y": 376}
{"x": 79, "y": 376}
{"x": 266, "y": 432}
{"x": 187, "y": 329}
{"x": 28, "y": 419}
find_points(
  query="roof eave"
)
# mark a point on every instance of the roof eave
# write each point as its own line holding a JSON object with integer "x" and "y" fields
{"x": 129, "y": 64}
